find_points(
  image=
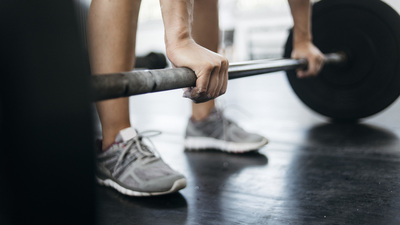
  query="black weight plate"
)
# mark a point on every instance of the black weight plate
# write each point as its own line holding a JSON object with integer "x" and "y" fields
{"x": 369, "y": 32}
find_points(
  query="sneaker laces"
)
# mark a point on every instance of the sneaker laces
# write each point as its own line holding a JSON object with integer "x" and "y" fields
{"x": 135, "y": 148}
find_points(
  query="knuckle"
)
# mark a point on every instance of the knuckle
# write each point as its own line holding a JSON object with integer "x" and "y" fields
{"x": 204, "y": 73}
{"x": 208, "y": 69}
{"x": 201, "y": 91}
{"x": 216, "y": 65}
{"x": 224, "y": 63}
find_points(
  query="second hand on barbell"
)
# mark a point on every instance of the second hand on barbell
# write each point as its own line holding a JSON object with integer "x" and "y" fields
{"x": 250, "y": 68}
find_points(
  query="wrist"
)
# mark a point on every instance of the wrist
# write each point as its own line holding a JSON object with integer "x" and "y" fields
{"x": 176, "y": 37}
{"x": 301, "y": 35}
{"x": 177, "y": 43}
{"x": 301, "y": 40}
{"x": 177, "y": 20}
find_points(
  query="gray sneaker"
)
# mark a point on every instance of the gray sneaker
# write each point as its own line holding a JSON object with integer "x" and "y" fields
{"x": 218, "y": 132}
{"x": 133, "y": 168}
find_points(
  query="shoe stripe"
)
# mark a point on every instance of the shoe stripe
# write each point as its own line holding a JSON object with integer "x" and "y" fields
{"x": 178, "y": 185}
{"x": 199, "y": 143}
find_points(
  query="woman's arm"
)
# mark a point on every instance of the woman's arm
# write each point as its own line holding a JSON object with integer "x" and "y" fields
{"x": 303, "y": 46}
{"x": 210, "y": 68}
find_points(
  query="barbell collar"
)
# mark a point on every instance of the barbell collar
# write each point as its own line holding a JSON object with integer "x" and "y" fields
{"x": 124, "y": 84}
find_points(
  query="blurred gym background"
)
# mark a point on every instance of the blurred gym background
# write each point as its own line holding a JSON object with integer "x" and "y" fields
{"x": 260, "y": 27}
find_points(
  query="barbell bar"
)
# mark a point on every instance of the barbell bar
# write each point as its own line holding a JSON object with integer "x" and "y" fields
{"x": 108, "y": 86}
{"x": 257, "y": 67}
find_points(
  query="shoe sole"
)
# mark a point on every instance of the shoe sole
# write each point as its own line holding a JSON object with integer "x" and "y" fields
{"x": 178, "y": 185}
{"x": 204, "y": 143}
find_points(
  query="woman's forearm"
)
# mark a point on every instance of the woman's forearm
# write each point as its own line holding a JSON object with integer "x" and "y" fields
{"x": 177, "y": 17}
{"x": 301, "y": 13}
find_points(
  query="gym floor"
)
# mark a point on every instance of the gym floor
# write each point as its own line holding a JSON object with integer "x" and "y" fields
{"x": 311, "y": 172}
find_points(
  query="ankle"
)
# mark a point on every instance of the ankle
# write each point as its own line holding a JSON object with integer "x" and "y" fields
{"x": 105, "y": 145}
{"x": 198, "y": 118}
{"x": 198, "y": 115}
{"x": 201, "y": 111}
{"x": 110, "y": 136}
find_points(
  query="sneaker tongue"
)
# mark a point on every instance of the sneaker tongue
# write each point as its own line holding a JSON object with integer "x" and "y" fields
{"x": 126, "y": 134}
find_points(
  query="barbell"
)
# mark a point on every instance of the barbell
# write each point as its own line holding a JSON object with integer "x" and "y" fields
{"x": 361, "y": 75}
{"x": 108, "y": 86}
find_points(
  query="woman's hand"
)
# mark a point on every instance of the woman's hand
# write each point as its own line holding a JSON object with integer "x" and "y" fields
{"x": 307, "y": 50}
{"x": 210, "y": 68}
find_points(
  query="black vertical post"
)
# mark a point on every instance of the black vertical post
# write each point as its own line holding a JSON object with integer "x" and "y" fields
{"x": 46, "y": 156}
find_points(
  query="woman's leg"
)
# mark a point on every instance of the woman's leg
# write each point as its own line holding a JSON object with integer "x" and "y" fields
{"x": 205, "y": 31}
{"x": 111, "y": 41}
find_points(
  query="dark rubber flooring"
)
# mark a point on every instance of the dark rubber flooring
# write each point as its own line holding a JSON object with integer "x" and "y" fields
{"x": 311, "y": 172}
